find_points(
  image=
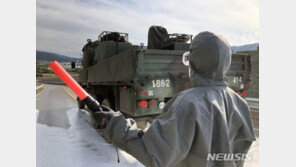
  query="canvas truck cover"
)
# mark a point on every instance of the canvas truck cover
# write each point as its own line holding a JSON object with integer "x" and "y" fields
{"x": 156, "y": 35}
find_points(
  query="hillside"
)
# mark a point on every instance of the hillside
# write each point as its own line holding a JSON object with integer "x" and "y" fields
{"x": 42, "y": 56}
{"x": 245, "y": 47}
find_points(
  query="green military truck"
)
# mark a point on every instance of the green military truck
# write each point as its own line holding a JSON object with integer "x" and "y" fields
{"x": 139, "y": 80}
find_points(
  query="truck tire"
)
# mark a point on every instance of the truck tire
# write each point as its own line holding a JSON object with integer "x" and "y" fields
{"x": 81, "y": 105}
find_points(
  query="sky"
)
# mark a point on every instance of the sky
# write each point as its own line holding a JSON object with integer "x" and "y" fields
{"x": 64, "y": 25}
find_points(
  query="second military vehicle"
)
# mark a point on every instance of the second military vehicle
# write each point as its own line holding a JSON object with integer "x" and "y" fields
{"x": 138, "y": 80}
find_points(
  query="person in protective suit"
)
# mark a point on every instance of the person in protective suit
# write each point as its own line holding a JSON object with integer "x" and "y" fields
{"x": 197, "y": 123}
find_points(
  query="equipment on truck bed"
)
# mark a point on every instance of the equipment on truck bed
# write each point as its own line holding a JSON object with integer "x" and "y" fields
{"x": 139, "y": 81}
{"x": 158, "y": 38}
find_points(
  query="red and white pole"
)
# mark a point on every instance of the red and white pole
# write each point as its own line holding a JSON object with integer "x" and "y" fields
{"x": 91, "y": 103}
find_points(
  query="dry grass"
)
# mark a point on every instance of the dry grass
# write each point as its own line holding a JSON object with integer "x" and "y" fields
{"x": 48, "y": 75}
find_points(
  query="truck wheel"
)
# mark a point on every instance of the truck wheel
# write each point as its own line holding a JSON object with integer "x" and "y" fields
{"x": 81, "y": 105}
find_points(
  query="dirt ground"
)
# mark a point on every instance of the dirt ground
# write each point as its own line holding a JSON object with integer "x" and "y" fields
{"x": 255, "y": 118}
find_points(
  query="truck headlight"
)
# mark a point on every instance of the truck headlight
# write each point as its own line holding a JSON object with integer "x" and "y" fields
{"x": 161, "y": 105}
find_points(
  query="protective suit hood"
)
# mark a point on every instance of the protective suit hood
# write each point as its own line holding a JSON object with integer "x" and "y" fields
{"x": 210, "y": 58}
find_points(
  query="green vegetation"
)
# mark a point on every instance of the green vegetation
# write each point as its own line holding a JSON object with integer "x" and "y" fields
{"x": 42, "y": 67}
{"x": 42, "y": 70}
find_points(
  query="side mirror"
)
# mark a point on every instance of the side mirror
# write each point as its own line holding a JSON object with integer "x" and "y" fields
{"x": 88, "y": 40}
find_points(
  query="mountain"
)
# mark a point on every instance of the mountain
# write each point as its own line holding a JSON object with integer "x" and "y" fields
{"x": 248, "y": 47}
{"x": 42, "y": 56}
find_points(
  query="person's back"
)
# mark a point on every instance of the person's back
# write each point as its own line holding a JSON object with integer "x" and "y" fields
{"x": 224, "y": 131}
{"x": 220, "y": 120}
{"x": 207, "y": 125}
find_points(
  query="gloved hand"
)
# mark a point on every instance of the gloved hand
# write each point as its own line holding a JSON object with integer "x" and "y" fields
{"x": 100, "y": 119}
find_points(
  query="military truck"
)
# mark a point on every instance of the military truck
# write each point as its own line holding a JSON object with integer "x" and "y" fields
{"x": 139, "y": 80}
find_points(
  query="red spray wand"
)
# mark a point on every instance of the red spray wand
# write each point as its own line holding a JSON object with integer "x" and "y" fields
{"x": 91, "y": 103}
